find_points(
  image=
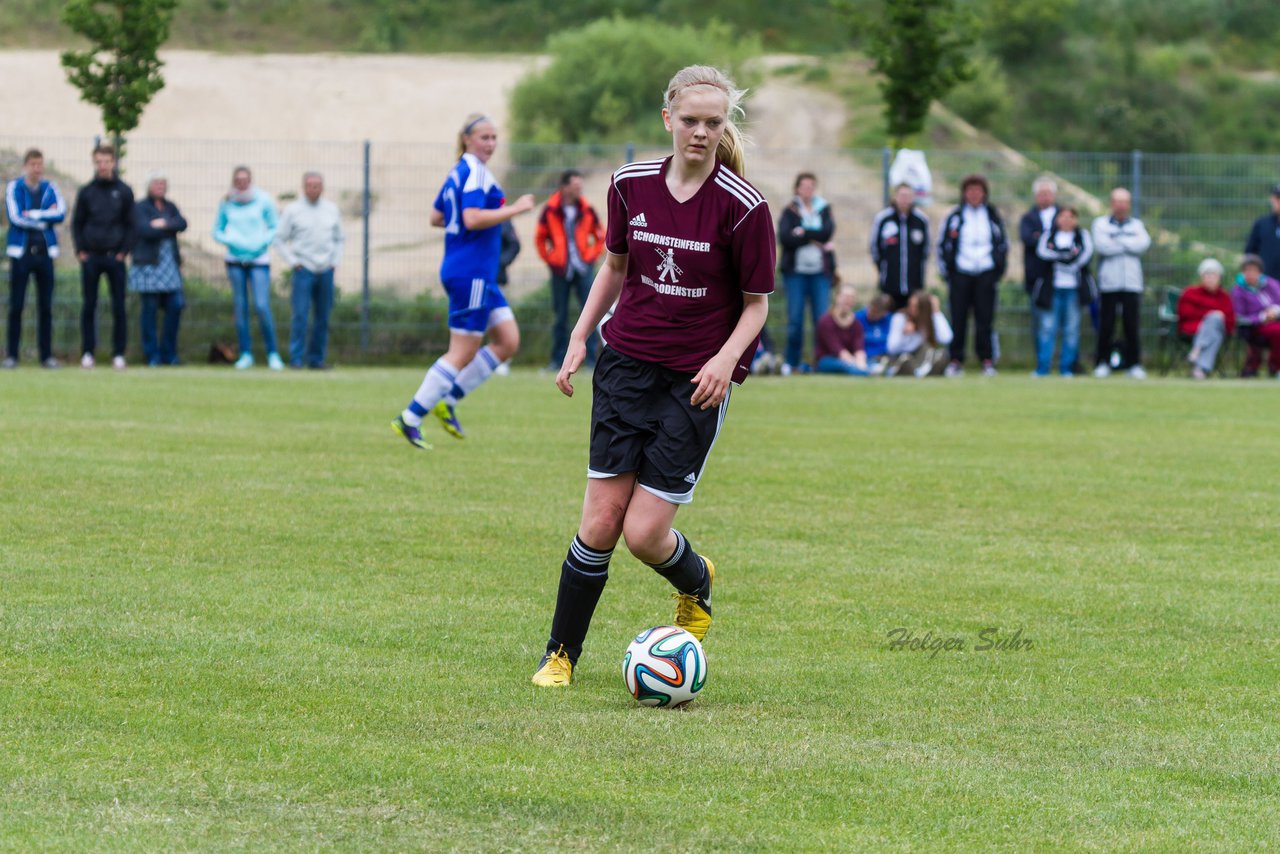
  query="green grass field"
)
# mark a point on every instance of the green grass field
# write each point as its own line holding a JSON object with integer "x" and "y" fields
{"x": 237, "y": 612}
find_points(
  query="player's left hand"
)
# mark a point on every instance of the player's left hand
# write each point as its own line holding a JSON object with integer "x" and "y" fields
{"x": 712, "y": 382}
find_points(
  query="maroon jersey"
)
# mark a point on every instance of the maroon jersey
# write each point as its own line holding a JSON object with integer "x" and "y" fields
{"x": 688, "y": 265}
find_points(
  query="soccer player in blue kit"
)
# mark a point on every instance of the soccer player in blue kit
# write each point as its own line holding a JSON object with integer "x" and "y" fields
{"x": 471, "y": 208}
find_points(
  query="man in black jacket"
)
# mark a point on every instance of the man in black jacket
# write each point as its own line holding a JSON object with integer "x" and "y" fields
{"x": 1035, "y": 222}
{"x": 1264, "y": 239}
{"x": 900, "y": 246}
{"x": 103, "y": 230}
{"x": 972, "y": 252}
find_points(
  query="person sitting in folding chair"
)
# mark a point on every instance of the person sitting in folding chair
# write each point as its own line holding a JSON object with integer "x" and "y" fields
{"x": 1206, "y": 316}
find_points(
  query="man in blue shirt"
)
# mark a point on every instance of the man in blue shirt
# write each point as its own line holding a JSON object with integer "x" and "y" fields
{"x": 34, "y": 206}
{"x": 1264, "y": 239}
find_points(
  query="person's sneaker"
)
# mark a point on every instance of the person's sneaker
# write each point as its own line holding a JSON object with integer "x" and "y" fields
{"x": 693, "y": 610}
{"x": 1102, "y": 371}
{"x": 51, "y": 363}
{"x": 295, "y": 366}
{"x": 926, "y": 364}
{"x": 87, "y": 362}
{"x": 554, "y": 671}
{"x": 1197, "y": 373}
{"x": 412, "y": 434}
{"x": 118, "y": 363}
{"x": 953, "y": 369}
{"x": 244, "y": 362}
{"x": 785, "y": 370}
{"x": 9, "y": 363}
{"x": 448, "y": 419}
{"x": 274, "y": 362}
{"x": 988, "y": 368}
{"x": 1137, "y": 373}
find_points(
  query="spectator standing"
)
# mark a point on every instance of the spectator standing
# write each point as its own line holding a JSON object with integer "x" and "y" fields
{"x": 918, "y": 336}
{"x": 973, "y": 250}
{"x": 1061, "y": 289}
{"x": 1206, "y": 316}
{"x": 1033, "y": 225}
{"x": 569, "y": 237}
{"x": 156, "y": 273}
{"x": 34, "y": 206}
{"x": 900, "y": 246}
{"x": 1264, "y": 238}
{"x": 875, "y": 318}
{"x": 1256, "y": 300}
{"x": 806, "y": 261}
{"x": 508, "y": 250}
{"x": 838, "y": 345}
{"x": 103, "y": 230}
{"x": 1120, "y": 239}
{"x": 310, "y": 241}
{"x": 246, "y": 225}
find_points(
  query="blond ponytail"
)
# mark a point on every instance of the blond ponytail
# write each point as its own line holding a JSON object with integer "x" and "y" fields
{"x": 731, "y": 150}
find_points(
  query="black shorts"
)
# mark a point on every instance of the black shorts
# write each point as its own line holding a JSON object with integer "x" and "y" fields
{"x": 642, "y": 422}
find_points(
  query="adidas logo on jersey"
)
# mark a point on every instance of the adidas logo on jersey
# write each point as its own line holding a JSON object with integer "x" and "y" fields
{"x": 690, "y": 478}
{"x": 638, "y": 219}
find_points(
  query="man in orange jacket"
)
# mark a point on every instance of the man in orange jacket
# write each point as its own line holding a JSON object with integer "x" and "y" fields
{"x": 570, "y": 237}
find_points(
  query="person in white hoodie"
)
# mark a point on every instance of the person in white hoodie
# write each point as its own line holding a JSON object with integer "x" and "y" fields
{"x": 310, "y": 240}
{"x": 1120, "y": 239}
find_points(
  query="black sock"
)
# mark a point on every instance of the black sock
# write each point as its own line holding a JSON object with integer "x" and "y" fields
{"x": 684, "y": 569}
{"x": 582, "y": 579}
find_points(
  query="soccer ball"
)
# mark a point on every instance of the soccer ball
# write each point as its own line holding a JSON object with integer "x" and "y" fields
{"x": 664, "y": 666}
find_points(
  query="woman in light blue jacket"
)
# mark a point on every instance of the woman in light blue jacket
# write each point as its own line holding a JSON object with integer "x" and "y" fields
{"x": 246, "y": 225}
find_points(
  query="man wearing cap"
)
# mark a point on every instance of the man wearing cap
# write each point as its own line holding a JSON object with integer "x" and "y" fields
{"x": 1264, "y": 239}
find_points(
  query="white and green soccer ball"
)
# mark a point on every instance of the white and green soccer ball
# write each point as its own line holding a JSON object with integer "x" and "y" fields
{"x": 664, "y": 666}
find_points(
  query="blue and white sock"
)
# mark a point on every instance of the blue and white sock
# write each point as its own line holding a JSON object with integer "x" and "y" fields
{"x": 470, "y": 378}
{"x": 435, "y": 385}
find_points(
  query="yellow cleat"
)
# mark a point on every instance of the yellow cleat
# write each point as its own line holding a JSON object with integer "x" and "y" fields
{"x": 693, "y": 612}
{"x": 556, "y": 670}
{"x": 448, "y": 420}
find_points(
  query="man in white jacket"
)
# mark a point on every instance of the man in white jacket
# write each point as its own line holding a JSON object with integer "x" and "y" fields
{"x": 1119, "y": 241}
{"x": 310, "y": 240}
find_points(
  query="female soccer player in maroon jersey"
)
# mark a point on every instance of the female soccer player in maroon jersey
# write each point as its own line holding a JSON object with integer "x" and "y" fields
{"x": 690, "y": 263}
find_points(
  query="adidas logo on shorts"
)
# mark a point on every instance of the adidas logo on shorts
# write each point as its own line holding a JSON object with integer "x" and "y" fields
{"x": 638, "y": 219}
{"x": 690, "y": 478}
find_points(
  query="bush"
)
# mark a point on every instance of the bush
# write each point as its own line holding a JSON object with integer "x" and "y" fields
{"x": 606, "y": 80}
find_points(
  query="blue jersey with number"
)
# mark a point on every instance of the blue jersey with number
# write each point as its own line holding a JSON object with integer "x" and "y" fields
{"x": 469, "y": 254}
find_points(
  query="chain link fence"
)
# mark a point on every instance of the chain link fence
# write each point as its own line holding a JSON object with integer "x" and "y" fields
{"x": 391, "y": 305}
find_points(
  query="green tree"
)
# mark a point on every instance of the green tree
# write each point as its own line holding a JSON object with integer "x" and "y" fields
{"x": 920, "y": 49}
{"x": 605, "y": 80}
{"x": 120, "y": 70}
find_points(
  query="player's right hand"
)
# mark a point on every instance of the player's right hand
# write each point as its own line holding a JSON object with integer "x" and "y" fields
{"x": 525, "y": 203}
{"x": 572, "y": 361}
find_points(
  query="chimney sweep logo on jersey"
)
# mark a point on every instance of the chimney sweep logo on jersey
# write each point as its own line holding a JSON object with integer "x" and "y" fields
{"x": 669, "y": 272}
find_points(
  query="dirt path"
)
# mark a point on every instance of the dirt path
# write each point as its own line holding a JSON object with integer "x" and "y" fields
{"x": 286, "y": 113}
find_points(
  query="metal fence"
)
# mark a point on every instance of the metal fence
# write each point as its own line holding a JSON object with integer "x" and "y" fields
{"x": 389, "y": 305}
